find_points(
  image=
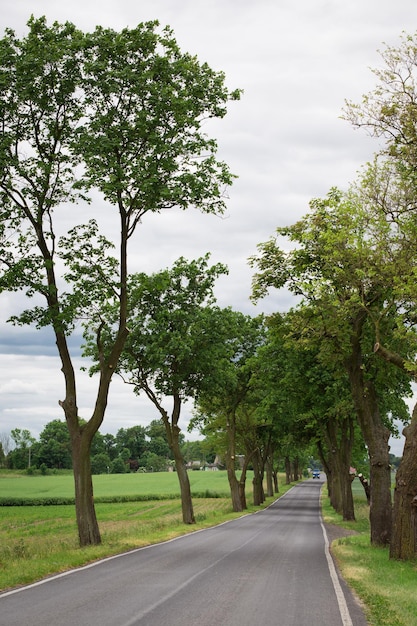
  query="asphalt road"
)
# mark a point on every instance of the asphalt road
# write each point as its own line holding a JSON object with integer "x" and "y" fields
{"x": 271, "y": 568}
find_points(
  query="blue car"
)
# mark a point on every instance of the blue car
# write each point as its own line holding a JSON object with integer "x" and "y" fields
{"x": 316, "y": 473}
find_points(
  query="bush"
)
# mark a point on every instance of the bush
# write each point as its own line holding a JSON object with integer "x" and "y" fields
{"x": 100, "y": 463}
{"x": 44, "y": 470}
{"x": 118, "y": 466}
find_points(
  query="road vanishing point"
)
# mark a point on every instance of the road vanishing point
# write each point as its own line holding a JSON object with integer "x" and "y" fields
{"x": 271, "y": 568}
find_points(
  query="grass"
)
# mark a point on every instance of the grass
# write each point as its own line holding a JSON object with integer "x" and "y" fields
{"x": 36, "y": 541}
{"x": 159, "y": 484}
{"x": 387, "y": 588}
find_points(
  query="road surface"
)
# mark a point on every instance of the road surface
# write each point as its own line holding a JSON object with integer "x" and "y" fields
{"x": 271, "y": 568}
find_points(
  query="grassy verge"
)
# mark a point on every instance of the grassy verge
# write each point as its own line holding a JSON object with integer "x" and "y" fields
{"x": 386, "y": 587}
{"x": 37, "y": 541}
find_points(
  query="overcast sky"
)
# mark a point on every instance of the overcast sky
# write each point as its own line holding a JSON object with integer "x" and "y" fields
{"x": 297, "y": 62}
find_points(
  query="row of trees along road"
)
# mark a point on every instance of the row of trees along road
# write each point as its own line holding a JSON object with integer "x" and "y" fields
{"x": 109, "y": 115}
{"x": 182, "y": 346}
{"x": 352, "y": 263}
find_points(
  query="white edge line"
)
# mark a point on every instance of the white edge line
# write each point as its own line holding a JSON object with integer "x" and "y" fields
{"x": 341, "y": 600}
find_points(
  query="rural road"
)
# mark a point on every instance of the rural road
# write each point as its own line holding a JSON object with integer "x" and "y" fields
{"x": 270, "y": 568}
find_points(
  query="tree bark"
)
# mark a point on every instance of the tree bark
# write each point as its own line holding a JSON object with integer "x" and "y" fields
{"x": 88, "y": 529}
{"x": 81, "y": 438}
{"x": 233, "y": 484}
{"x": 404, "y": 536}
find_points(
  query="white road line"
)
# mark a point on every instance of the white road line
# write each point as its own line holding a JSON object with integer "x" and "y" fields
{"x": 341, "y": 600}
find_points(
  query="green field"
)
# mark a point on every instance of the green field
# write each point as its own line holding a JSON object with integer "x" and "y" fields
{"x": 112, "y": 485}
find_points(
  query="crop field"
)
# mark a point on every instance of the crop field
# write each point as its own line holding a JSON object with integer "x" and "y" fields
{"x": 160, "y": 484}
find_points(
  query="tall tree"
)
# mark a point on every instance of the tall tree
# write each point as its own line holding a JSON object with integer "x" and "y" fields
{"x": 335, "y": 268}
{"x": 389, "y": 111}
{"x": 175, "y": 336}
{"x": 118, "y": 113}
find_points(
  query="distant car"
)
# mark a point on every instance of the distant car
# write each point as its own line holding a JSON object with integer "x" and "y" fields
{"x": 316, "y": 473}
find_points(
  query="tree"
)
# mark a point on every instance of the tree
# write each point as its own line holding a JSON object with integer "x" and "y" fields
{"x": 23, "y": 441}
{"x": 404, "y": 540}
{"x": 118, "y": 113}
{"x": 389, "y": 111}
{"x": 158, "y": 443}
{"x": 336, "y": 268}
{"x": 227, "y": 400}
{"x": 175, "y": 335}
{"x": 323, "y": 414}
{"x": 132, "y": 439}
{"x": 55, "y": 446}
{"x": 100, "y": 463}
{"x": 388, "y": 194}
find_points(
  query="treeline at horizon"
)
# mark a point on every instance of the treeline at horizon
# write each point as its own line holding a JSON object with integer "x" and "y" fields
{"x": 137, "y": 448}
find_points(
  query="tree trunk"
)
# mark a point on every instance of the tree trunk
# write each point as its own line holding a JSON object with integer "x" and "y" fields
{"x": 275, "y": 478}
{"x": 258, "y": 491}
{"x": 88, "y": 529}
{"x": 81, "y": 438}
{"x": 234, "y": 484}
{"x": 173, "y": 433}
{"x": 340, "y": 437}
{"x": 366, "y": 488}
{"x": 404, "y": 535}
{"x": 231, "y": 464}
{"x": 269, "y": 478}
{"x": 376, "y": 437}
{"x": 326, "y": 467}
{"x": 287, "y": 471}
{"x": 242, "y": 484}
{"x": 336, "y": 491}
{"x": 296, "y": 472}
{"x": 185, "y": 488}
